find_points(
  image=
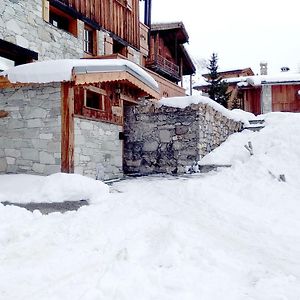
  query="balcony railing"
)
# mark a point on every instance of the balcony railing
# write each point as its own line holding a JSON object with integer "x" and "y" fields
{"x": 161, "y": 64}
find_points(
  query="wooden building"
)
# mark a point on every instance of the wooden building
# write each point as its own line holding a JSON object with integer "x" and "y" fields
{"x": 168, "y": 56}
{"x": 67, "y": 115}
{"x": 262, "y": 94}
{"x": 232, "y": 77}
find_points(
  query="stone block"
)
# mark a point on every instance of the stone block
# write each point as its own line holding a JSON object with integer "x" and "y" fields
{"x": 10, "y": 160}
{"x": 3, "y": 165}
{"x": 12, "y": 153}
{"x": 150, "y": 146}
{"x": 47, "y": 158}
{"x": 38, "y": 168}
{"x": 165, "y": 136}
{"x": 30, "y": 154}
{"x": 179, "y": 130}
{"x": 35, "y": 123}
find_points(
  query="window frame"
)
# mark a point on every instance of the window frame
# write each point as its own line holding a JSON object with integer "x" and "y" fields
{"x": 93, "y": 49}
{"x": 101, "y": 99}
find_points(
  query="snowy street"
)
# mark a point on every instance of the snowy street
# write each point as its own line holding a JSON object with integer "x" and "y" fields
{"x": 232, "y": 234}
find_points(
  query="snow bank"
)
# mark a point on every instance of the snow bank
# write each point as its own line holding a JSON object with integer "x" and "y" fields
{"x": 183, "y": 102}
{"x": 282, "y": 129}
{"x": 61, "y": 70}
{"x": 230, "y": 235}
{"x": 58, "y": 187}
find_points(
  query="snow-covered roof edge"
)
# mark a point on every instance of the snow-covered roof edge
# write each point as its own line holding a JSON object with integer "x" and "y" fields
{"x": 183, "y": 102}
{"x": 61, "y": 70}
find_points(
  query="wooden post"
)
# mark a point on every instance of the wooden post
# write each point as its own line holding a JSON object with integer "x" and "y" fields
{"x": 67, "y": 128}
{"x": 191, "y": 85}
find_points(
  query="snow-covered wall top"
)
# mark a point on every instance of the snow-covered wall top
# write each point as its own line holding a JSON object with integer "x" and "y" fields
{"x": 61, "y": 70}
{"x": 182, "y": 102}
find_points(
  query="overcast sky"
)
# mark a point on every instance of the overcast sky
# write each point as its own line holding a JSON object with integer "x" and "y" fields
{"x": 242, "y": 33}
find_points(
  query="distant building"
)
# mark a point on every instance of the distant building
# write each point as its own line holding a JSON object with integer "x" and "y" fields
{"x": 232, "y": 77}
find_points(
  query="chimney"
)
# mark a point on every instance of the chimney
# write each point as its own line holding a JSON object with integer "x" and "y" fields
{"x": 263, "y": 68}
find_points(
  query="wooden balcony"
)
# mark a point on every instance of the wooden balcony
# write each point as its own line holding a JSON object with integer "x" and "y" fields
{"x": 164, "y": 67}
{"x": 116, "y": 16}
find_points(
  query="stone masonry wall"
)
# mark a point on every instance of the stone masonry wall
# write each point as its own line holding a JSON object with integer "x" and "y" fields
{"x": 167, "y": 139}
{"x": 98, "y": 150}
{"x": 30, "y": 136}
{"x": 21, "y": 23}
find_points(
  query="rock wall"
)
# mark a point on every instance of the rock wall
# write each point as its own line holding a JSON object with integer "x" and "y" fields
{"x": 30, "y": 136}
{"x": 21, "y": 23}
{"x": 167, "y": 139}
{"x": 98, "y": 149}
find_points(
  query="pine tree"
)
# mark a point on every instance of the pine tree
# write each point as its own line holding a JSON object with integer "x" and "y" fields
{"x": 218, "y": 88}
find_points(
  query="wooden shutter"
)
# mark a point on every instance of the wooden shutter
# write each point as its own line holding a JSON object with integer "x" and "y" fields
{"x": 46, "y": 10}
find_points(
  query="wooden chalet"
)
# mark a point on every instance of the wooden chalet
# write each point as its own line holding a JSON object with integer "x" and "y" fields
{"x": 232, "y": 77}
{"x": 167, "y": 54}
{"x": 262, "y": 94}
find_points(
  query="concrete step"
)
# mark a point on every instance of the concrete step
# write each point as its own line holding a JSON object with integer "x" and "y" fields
{"x": 255, "y": 125}
{"x": 257, "y": 121}
{"x": 208, "y": 168}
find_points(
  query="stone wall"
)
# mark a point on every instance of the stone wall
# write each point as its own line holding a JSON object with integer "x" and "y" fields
{"x": 21, "y": 23}
{"x": 167, "y": 139}
{"x": 30, "y": 136}
{"x": 98, "y": 149}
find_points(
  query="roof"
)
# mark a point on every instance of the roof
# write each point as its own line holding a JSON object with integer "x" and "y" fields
{"x": 81, "y": 71}
{"x": 188, "y": 66}
{"x": 258, "y": 80}
{"x": 239, "y": 72}
{"x": 179, "y": 26}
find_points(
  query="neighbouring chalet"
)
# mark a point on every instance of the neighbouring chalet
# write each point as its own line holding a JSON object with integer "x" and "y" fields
{"x": 266, "y": 93}
{"x": 168, "y": 56}
{"x": 263, "y": 93}
{"x": 232, "y": 77}
{"x": 67, "y": 115}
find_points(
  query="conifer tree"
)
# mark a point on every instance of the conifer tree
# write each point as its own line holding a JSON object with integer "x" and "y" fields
{"x": 218, "y": 88}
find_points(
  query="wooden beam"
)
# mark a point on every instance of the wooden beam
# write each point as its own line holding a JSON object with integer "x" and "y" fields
{"x": 67, "y": 128}
{"x": 95, "y": 90}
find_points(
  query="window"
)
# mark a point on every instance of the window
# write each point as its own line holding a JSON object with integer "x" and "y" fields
{"x": 94, "y": 100}
{"x": 61, "y": 20}
{"x": 119, "y": 48}
{"x": 90, "y": 40}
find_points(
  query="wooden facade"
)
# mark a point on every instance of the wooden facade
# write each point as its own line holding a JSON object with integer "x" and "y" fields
{"x": 120, "y": 17}
{"x": 285, "y": 98}
{"x": 168, "y": 56}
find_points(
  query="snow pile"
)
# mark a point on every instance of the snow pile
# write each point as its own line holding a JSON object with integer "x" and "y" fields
{"x": 61, "y": 70}
{"x": 183, "y": 102}
{"x": 58, "y": 187}
{"x": 231, "y": 235}
{"x": 270, "y": 144}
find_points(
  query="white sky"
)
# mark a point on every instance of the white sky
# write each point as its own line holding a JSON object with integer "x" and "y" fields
{"x": 242, "y": 33}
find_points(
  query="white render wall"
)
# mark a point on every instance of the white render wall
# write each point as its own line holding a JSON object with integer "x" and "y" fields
{"x": 98, "y": 150}
{"x": 30, "y": 136}
{"x": 21, "y": 23}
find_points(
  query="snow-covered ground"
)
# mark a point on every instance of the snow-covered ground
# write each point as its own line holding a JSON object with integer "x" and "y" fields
{"x": 232, "y": 234}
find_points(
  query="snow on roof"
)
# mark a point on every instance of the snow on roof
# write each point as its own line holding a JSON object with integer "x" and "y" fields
{"x": 183, "y": 102}
{"x": 257, "y": 80}
{"x": 62, "y": 69}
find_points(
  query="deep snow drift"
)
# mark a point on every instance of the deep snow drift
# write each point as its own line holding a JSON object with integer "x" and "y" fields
{"x": 232, "y": 234}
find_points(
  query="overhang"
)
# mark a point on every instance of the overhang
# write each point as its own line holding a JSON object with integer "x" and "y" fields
{"x": 81, "y": 72}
